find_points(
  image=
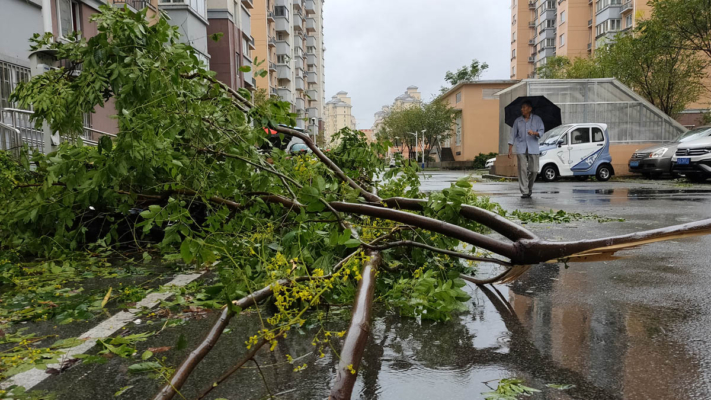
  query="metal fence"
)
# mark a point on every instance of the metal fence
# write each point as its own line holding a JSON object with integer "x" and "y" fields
{"x": 21, "y": 121}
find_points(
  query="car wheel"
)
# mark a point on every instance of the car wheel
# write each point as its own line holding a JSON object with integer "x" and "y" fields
{"x": 549, "y": 173}
{"x": 696, "y": 178}
{"x": 604, "y": 173}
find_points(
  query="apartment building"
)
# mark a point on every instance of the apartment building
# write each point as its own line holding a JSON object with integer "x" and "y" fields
{"x": 541, "y": 29}
{"x": 337, "y": 115}
{"x": 289, "y": 39}
{"x": 19, "y": 20}
{"x": 190, "y": 16}
{"x": 232, "y": 19}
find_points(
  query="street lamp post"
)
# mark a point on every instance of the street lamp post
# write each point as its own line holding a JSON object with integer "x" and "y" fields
{"x": 423, "y": 147}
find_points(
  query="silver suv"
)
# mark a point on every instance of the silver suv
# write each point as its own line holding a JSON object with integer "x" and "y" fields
{"x": 693, "y": 159}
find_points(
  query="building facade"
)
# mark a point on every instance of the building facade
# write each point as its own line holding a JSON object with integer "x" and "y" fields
{"x": 411, "y": 97}
{"x": 288, "y": 37}
{"x": 19, "y": 20}
{"x": 337, "y": 115}
{"x": 190, "y": 16}
{"x": 476, "y": 129}
{"x": 232, "y": 19}
{"x": 541, "y": 29}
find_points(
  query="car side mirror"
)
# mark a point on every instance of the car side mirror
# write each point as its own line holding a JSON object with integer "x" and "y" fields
{"x": 560, "y": 143}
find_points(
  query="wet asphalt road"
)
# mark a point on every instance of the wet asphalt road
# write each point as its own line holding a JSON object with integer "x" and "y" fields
{"x": 635, "y": 328}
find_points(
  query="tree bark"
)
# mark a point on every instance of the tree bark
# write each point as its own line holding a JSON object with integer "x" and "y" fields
{"x": 358, "y": 331}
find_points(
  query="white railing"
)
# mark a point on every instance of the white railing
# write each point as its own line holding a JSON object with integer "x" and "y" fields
{"x": 18, "y": 129}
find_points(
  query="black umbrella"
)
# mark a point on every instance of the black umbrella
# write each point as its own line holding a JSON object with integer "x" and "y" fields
{"x": 544, "y": 108}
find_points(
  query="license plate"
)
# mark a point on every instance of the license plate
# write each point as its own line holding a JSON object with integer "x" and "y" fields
{"x": 683, "y": 161}
{"x": 634, "y": 164}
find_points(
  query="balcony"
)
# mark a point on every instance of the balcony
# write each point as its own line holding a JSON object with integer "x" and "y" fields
{"x": 310, "y": 7}
{"x": 299, "y": 84}
{"x": 298, "y": 22}
{"x": 285, "y": 94}
{"x": 300, "y": 103}
{"x": 628, "y": 6}
{"x": 589, "y": 23}
{"x": 531, "y": 5}
{"x": 532, "y": 24}
{"x": 272, "y": 66}
{"x": 271, "y": 41}
{"x": 313, "y": 112}
{"x": 273, "y": 91}
{"x": 312, "y": 94}
{"x": 250, "y": 42}
{"x": 589, "y": 46}
{"x": 532, "y": 42}
{"x": 310, "y": 41}
{"x": 283, "y": 48}
{"x": 135, "y": 4}
{"x": 284, "y": 72}
{"x": 310, "y": 25}
{"x": 270, "y": 16}
{"x": 531, "y": 59}
{"x": 311, "y": 77}
{"x": 248, "y": 4}
{"x": 311, "y": 59}
{"x": 298, "y": 63}
{"x": 298, "y": 44}
{"x": 282, "y": 24}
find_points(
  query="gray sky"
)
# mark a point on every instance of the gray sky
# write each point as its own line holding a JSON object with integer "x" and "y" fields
{"x": 375, "y": 49}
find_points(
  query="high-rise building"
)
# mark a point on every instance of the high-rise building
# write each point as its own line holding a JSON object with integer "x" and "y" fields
{"x": 232, "y": 19}
{"x": 190, "y": 16}
{"x": 541, "y": 29}
{"x": 288, "y": 37}
{"x": 337, "y": 115}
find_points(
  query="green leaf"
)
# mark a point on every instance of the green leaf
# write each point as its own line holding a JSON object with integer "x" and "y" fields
{"x": 144, "y": 367}
{"x": 122, "y": 390}
{"x": 106, "y": 298}
{"x": 352, "y": 243}
{"x": 182, "y": 342}
{"x": 245, "y": 68}
{"x": 216, "y": 36}
{"x": 564, "y": 386}
{"x": 146, "y": 355}
{"x": 186, "y": 252}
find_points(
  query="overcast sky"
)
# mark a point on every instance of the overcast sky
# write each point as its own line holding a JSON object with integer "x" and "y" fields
{"x": 375, "y": 49}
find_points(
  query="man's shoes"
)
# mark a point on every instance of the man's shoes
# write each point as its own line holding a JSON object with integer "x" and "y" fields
{"x": 525, "y": 196}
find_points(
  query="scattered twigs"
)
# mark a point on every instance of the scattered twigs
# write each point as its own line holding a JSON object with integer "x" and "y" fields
{"x": 358, "y": 331}
{"x": 249, "y": 356}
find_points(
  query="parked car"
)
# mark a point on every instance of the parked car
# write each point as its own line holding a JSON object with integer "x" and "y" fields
{"x": 693, "y": 159}
{"x": 489, "y": 163}
{"x": 579, "y": 150}
{"x": 656, "y": 161}
{"x": 299, "y": 148}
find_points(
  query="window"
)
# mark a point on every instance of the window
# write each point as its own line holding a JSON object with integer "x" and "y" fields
{"x": 513, "y": 54}
{"x": 513, "y": 37}
{"x": 513, "y": 20}
{"x": 580, "y": 136}
{"x": 603, "y": 4}
{"x": 281, "y": 36}
{"x": 311, "y": 49}
{"x": 562, "y": 40}
{"x": 458, "y": 132}
{"x": 459, "y": 97}
{"x": 282, "y": 59}
{"x": 628, "y": 21}
{"x": 563, "y": 140}
{"x": 281, "y": 11}
{"x": 611, "y": 25}
{"x": 598, "y": 136}
{"x": 550, "y": 42}
{"x": 562, "y": 17}
{"x": 513, "y": 71}
{"x": 200, "y": 6}
{"x": 68, "y": 16}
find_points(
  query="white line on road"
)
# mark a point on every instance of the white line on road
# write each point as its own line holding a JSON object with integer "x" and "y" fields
{"x": 33, "y": 377}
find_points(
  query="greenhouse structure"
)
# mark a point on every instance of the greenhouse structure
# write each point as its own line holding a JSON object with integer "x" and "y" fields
{"x": 630, "y": 118}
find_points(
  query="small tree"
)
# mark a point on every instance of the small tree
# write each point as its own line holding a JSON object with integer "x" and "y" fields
{"x": 689, "y": 20}
{"x": 466, "y": 73}
{"x": 435, "y": 119}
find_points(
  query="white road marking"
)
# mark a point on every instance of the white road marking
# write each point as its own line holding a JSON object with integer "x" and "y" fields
{"x": 33, "y": 377}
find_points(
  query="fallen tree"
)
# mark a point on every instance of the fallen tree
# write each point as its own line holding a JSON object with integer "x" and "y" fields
{"x": 192, "y": 162}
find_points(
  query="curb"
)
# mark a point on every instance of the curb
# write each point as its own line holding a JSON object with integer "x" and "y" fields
{"x": 499, "y": 177}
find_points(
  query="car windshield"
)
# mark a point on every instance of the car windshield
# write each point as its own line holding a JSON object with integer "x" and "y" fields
{"x": 299, "y": 147}
{"x": 694, "y": 134}
{"x": 551, "y": 137}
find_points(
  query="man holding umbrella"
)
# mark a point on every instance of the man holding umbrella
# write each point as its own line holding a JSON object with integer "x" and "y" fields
{"x": 525, "y": 132}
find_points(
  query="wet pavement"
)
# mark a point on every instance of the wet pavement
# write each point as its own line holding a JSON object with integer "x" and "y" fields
{"x": 636, "y": 328}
